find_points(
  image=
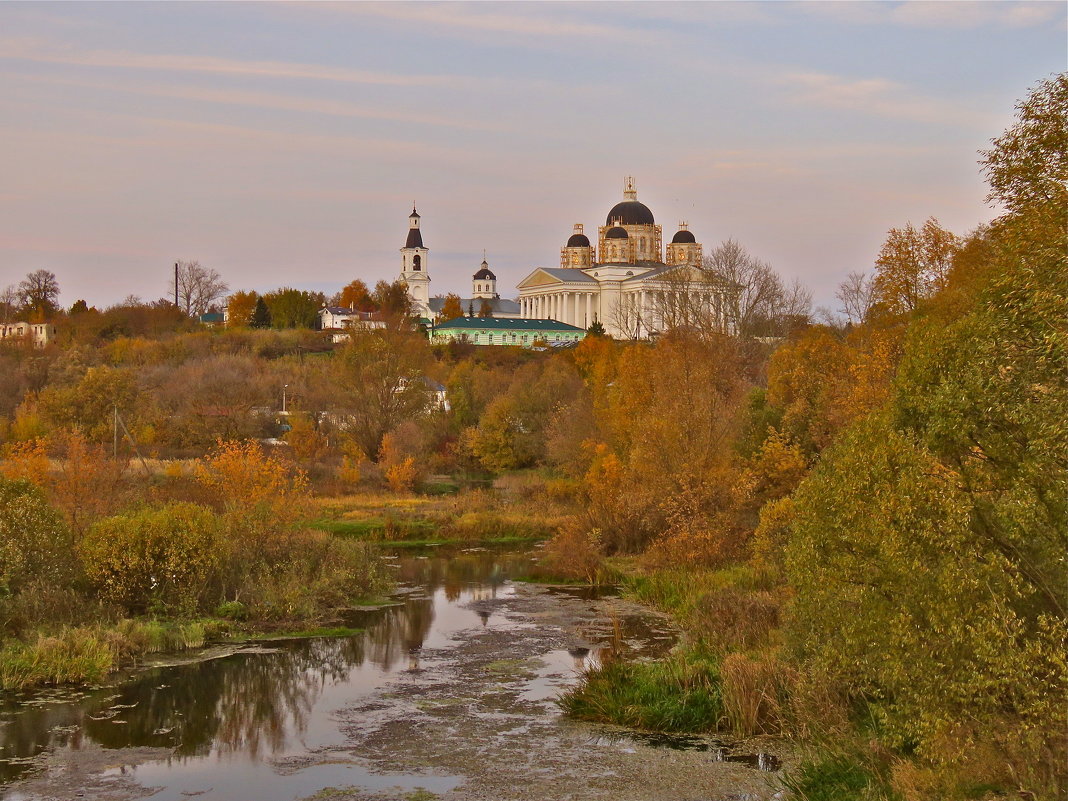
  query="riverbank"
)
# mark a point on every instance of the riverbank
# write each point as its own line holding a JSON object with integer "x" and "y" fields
{"x": 450, "y": 694}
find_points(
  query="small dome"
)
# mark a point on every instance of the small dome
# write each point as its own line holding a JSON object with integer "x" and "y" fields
{"x": 683, "y": 237}
{"x": 484, "y": 274}
{"x": 578, "y": 241}
{"x": 616, "y": 233}
{"x": 630, "y": 212}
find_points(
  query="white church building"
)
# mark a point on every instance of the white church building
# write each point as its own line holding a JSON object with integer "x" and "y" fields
{"x": 415, "y": 274}
{"x": 629, "y": 283}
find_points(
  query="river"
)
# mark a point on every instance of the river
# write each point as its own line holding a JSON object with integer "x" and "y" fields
{"x": 446, "y": 693}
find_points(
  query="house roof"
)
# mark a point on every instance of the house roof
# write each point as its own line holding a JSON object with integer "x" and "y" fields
{"x": 495, "y": 324}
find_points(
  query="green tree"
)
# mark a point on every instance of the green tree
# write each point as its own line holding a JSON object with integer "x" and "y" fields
{"x": 89, "y": 403}
{"x": 261, "y": 315}
{"x": 596, "y": 329}
{"x": 1029, "y": 162}
{"x": 293, "y": 308}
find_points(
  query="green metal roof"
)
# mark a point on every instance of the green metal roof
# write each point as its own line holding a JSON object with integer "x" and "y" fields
{"x": 496, "y": 324}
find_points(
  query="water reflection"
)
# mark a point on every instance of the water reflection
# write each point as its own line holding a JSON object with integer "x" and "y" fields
{"x": 267, "y": 700}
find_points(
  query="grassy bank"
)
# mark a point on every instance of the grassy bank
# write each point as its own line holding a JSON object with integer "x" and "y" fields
{"x": 472, "y": 515}
{"x": 87, "y": 654}
{"x": 729, "y": 676}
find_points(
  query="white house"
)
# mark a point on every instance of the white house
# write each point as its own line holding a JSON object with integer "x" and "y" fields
{"x": 37, "y": 334}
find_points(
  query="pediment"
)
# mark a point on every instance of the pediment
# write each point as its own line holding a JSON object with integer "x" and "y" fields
{"x": 539, "y": 278}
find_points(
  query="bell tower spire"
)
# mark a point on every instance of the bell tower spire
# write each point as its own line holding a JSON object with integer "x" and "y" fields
{"x": 414, "y": 266}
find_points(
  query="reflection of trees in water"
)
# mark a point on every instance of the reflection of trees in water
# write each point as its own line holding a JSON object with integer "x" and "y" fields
{"x": 252, "y": 702}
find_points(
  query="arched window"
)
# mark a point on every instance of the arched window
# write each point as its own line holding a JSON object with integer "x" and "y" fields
{"x": 417, "y": 262}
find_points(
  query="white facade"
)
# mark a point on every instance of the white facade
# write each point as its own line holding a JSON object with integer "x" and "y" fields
{"x": 626, "y": 284}
{"x": 37, "y": 334}
{"x": 414, "y": 267}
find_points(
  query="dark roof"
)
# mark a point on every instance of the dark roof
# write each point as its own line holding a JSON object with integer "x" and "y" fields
{"x": 616, "y": 233}
{"x": 578, "y": 241}
{"x": 683, "y": 237}
{"x": 499, "y": 305}
{"x": 414, "y": 240}
{"x": 496, "y": 324}
{"x": 630, "y": 212}
{"x": 484, "y": 274}
{"x": 413, "y": 214}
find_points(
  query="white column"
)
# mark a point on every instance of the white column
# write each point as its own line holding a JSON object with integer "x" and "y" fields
{"x": 589, "y": 309}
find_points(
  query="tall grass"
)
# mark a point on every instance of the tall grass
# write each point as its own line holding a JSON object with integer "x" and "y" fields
{"x": 679, "y": 694}
{"x": 89, "y": 653}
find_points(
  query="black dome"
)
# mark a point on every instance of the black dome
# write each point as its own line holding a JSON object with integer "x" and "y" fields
{"x": 683, "y": 237}
{"x": 578, "y": 241}
{"x": 616, "y": 233}
{"x": 630, "y": 212}
{"x": 484, "y": 274}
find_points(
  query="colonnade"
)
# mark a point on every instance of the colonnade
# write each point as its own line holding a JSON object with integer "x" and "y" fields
{"x": 574, "y": 308}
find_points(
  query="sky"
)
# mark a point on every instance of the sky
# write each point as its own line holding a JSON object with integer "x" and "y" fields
{"x": 283, "y": 144}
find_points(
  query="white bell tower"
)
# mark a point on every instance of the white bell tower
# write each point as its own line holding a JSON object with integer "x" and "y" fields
{"x": 414, "y": 267}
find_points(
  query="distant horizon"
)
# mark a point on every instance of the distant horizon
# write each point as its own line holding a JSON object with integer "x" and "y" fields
{"x": 283, "y": 144}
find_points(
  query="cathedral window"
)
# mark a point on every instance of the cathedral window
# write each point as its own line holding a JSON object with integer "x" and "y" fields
{"x": 417, "y": 262}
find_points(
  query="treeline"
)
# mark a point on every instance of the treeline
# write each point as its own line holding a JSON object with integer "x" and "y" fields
{"x": 870, "y": 552}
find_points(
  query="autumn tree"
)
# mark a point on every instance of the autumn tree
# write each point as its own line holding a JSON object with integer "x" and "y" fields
{"x": 240, "y": 308}
{"x": 392, "y": 300}
{"x": 485, "y": 308}
{"x": 39, "y": 295}
{"x": 451, "y": 309}
{"x": 357, "y": 296}
{"x": 379, "y": 376}
{"x": 199, "y": 287}
{"x": 912, "y": 265}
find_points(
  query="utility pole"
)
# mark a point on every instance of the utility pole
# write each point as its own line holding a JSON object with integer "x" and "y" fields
{"x": 176, "y": 286}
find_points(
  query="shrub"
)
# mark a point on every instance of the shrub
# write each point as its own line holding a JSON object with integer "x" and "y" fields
{"x": 35, "y": 544}
{"x": 158, "y": 559}
{"x": 575, "y": 553}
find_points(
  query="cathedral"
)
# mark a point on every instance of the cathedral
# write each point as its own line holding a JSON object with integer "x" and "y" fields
{"x": 630, "y": 283}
